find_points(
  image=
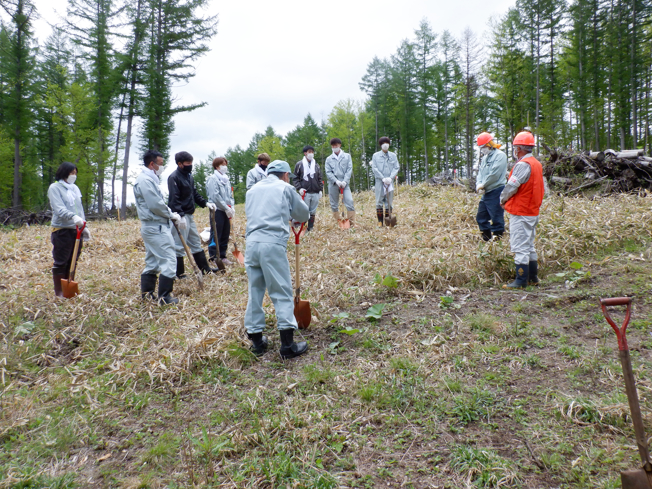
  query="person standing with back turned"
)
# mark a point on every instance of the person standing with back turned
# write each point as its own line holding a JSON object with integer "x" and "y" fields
{"x": 490, "y": 182}
{"x": 522, "y": 198}
{"x": 270, "y": 205}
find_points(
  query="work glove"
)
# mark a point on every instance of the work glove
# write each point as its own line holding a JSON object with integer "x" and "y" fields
{"x": 86, "y": 234}
{"x": 338, "y": 183}
{"x": 211, "y": 206}
{"x": 387, "y": 181}
{"x": 183, "y": 223}
{"x": 230, "y": 213}
{"x": 79, "y": 222}
{"x": 320, "y": 194}
{"x": 175, "y": 217}
{"x": 480, "y": 189}
{"x": 343, "y": 184}
{"x": 302, "y": 192}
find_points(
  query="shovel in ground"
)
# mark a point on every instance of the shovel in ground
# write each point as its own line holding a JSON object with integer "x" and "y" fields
{"x": 69, "y": 287}
{"x": 636, "y": 478}
{"x": 301, "y": 308}
{"x": 389, "y": 220}
{"x": 236, "y": 252}
{"x": 198, "y": 274}
{"x": 218, "y": 260}
{"x": 344, "y": 222}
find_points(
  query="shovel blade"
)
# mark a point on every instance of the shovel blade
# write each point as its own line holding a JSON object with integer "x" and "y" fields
{"x": 390, "y": 221}
{"x": 302, "y": 313}
{"x": 238, "y": 256}
{"x": 69, "y": 288}
{"x": 345, "y": 224}
{"x": 635, "y": 479}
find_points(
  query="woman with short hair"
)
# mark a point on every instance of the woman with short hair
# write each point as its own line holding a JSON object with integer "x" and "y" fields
{"x": 219, "y": 192}
{"x": 67, "y": 216}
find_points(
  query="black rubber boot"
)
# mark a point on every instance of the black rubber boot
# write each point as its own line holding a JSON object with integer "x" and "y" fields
{"x": 486, "y": 235}
{"x": 165, "y": 289}
{"x": 290, "y": 349}
{"x": 498, "y": 235}
{"x": 379, "y": 215}
{"x": 148, "y": 286}
{"x": 311, "y": 223}
{"x": 56, "y": 279}
{"x": 522, "y": 274}
{"x": 533, "y": 273}
{"x": 181, "y": 269}
{"x": 202, "y": 263}
{"x": 259, "y": 343}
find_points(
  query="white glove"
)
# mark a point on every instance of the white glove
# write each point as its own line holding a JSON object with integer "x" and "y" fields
{"x": 302, "y": 192}
{"x": 387, "y": 181}
{"x": 86, "y": 234}
{"x": 78, "y": 221}
{"x": 175, "y": 217}
{"x": 211, "y": 206}
{"x": 183, "y": 224}
{"x": 343, "y": 184}
{"x": 230, "y": 213}
{"x": 338, "y": 183}
{"x": 480, "y": 189}
{"x": 320, "y": 194}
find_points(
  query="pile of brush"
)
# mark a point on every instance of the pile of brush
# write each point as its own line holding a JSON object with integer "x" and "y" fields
{"x": 613, "y": 171}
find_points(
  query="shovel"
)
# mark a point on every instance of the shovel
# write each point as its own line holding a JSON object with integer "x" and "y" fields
{"x": 236, "y": 252}
{"x": 198, "y": 274}
{"x": 69, "y": 287}
{"x": 389, "y": 220}
{"x": 301, "y": 308}
{"x": 218, "y": 260}
{"x": 637, "y": 478}
{"x": 344, "y": 222}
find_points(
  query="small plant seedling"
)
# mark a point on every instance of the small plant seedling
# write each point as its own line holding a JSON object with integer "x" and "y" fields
{"x": 349, "y": 330}
{"x": 388, "y": 281}
{"x": 341, "y": 315}
{"x": 375, "y": 313}
{"x": 447, "y": 301}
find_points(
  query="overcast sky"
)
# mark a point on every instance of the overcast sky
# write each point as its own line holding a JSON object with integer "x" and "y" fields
{"x": 272, "y": 62}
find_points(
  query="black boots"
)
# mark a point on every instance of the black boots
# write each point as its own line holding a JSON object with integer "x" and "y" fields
{"x": 486, "y": 235}
{"x": 181, "y": 270}
{"x": 259, "y": 343}
{"x": 165, "y": 289}
{"x": 56, "y": 278}
{"x": 498, "y": 235}
{"x": 379, "y": 215}
{"x": 522, "y": 275}
{"x": 148, "y": 286}
{"x": 533, "y": 278}
{"x": 290, "y": 349}
{"x": 202, "y": 263}
{"x": 311, "y": 223}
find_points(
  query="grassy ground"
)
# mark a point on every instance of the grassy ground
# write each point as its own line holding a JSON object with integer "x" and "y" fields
{"x": 421, "y": 373}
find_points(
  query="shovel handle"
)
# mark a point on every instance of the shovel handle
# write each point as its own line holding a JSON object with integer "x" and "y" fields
{"x": 73, "y": 265}
{"x": 622, "y": 331}
{"x": 297, "y": 234}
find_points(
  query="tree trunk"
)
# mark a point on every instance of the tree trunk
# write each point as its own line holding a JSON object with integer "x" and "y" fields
{"x": 17, "y": 164}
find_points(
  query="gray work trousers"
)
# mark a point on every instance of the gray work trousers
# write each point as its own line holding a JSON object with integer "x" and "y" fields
{"x": 191, "y": 236}
{"x": 334, "y": 196}
{"x": 160, "y": 254}
{"x": 522, "y": 231}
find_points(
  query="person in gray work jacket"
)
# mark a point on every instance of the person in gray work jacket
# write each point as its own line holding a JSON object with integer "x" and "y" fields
{"x": 218, "y": 190}
{"x": 155, "y": 228}
{"x": 384, "y": 164}
{"x": 182, "y": 199}
{"x": 490, "y": 182}
{"x": 269, "y": 207}
{"x": 67, "y": 215}
{"x": 258, "y": 172}
{"x": 308, "y": 181}
{"x": 339, "y": 168}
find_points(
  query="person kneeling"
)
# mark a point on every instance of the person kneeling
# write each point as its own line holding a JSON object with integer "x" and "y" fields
{"x": 270, "y": 205}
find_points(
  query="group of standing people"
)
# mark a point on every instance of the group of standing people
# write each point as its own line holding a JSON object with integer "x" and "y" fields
{"x": 271, "y": 202}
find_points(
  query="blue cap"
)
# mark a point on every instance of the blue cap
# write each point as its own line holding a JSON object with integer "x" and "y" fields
{"x": 278, "y": 166}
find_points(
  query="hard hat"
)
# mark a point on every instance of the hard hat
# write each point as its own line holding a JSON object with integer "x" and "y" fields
{"x": 524, "y": 138}
{"x": 484, "y": 138}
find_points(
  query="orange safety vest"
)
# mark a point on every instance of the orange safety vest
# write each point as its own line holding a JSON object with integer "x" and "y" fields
{"x": 527, "y": 200}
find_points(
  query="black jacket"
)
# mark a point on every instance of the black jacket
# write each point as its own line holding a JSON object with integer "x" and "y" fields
{"x": 313, "y": 185}
{"x": 183, "y": 194}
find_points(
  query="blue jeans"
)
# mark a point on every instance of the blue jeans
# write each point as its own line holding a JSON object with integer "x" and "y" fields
{"x": 490, "y": 210}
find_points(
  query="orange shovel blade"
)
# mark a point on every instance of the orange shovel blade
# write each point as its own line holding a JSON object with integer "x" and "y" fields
{"x": 345, "y": 224}
{"x": 238, "y": 256}
{"x": 302, "y": 313}
{"x": 69, "y": 288}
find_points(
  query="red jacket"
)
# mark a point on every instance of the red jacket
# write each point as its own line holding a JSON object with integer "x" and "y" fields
{"x": 527, "y": 200}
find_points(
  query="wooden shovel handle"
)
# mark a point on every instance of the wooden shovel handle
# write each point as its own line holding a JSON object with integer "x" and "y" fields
{"x": 191, "y": 259}
{"x": 73, "y": 265}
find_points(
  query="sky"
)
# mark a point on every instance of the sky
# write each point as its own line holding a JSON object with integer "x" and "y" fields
{"x": 273, "y": 62}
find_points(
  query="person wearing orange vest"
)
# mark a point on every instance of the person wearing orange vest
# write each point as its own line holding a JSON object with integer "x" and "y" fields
{"x": 522, "y": 198}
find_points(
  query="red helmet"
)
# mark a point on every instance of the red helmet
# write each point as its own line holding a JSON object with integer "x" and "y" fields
{"x": 484, "y": 138}
{"x": 524, "y": 138}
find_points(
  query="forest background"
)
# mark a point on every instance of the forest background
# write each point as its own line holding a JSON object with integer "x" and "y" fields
{"x": 578, "y": 74}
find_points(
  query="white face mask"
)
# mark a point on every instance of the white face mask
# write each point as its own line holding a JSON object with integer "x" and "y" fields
{"x": 485, "y": 151}
{"x": 222, "y": 169}
{"x": 309, "y": 156}
{"x": 160, "y": 170}
{"x": 336, "y": 151}
{"x": 385, "y": 146}
{"x": 71, "y": 179}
